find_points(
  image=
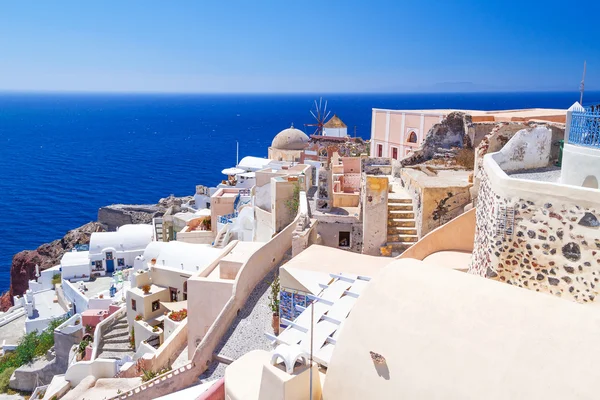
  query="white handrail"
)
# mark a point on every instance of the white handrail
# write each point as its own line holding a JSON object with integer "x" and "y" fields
{"x": 98, "y": 331}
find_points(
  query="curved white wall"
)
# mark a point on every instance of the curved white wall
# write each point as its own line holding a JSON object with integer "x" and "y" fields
{"x": 578, "y": 164}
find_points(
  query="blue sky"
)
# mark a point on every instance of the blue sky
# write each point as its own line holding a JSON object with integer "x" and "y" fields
{"x": 297, "y": 46}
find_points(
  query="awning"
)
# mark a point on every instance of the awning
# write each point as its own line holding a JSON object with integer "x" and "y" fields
{"x": 233, "y": 171}
{"x": 174, "y": 305}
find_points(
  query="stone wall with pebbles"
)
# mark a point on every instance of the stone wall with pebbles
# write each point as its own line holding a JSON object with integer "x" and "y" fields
{"x": 554, "y": 246}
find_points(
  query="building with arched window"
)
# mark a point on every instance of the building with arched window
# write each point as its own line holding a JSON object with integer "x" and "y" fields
{"x": 396, "y": 133}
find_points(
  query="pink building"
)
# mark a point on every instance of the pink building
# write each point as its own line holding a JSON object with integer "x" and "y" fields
{"x": 396, "y": 133}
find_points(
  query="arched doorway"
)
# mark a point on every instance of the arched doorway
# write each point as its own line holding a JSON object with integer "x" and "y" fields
{"x": 591, "y": 182}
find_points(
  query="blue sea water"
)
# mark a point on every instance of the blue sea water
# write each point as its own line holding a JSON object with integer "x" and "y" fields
{"x": 62, "y": 156}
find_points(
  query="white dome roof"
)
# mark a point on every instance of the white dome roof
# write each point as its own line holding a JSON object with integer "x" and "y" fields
{"x": 290, "y": 139}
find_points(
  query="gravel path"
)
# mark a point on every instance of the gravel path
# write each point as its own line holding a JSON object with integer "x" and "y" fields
{"x": 247, "y": 332}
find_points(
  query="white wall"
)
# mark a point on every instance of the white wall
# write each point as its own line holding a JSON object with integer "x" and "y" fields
{"x": 74, "y": 296}
{"x": 264, "y": 225}
{"x": 527, "y": 149}
{"x": 40, "y": 325}
{"x": 262, "y": 196}
{"x": 100, "y": 304}
{"x": 100, "y": 368}
{"x": 336, "y": 132}
{"x": 46, "y": 277}
{"x": 579, "y": 163}
{"x": 72, "y": 271}
{"x": 170, "y": 326}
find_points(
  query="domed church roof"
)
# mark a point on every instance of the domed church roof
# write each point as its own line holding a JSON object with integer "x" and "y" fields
{"x": 290, "y": 139}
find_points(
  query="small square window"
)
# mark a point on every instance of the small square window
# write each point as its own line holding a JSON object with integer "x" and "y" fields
{"x": 133, "y": 305}
{"x": 155, "y": 305}
{"x": 344, "y": 239}
{"x": 121, "y": 262}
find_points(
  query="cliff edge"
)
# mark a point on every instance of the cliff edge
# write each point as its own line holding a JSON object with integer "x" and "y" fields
{"x": 50, "y": 254}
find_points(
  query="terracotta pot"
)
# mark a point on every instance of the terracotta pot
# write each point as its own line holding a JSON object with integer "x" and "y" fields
{"x": 275, "y": 324}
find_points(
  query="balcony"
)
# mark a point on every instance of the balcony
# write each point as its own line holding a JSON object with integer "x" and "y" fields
{"x": 584, "y": 127}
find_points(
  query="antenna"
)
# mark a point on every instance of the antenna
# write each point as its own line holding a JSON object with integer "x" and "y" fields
{"x": 582, "y": 86}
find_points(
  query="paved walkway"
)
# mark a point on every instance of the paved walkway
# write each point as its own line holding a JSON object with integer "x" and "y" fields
{"x": 247, "y": 332}
{"x": 181, "y": 359}
{"x": 13, "y": 331}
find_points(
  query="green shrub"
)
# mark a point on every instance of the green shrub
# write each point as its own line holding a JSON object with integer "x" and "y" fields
{"x": 5, "y": 378}
{"x": 30, "y": 346}
{"x": 56, "y": 279}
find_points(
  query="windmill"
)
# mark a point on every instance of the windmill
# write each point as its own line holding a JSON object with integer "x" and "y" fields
{"x": 320, "y": 114}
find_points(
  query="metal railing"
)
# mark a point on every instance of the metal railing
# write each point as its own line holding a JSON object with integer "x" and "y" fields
{"x": 227, "y": 218}
{"x": 584, "y": 129}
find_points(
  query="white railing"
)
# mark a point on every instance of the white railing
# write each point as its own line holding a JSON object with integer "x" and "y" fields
{"x": 71, "y": 325}
{"x": 11, "y": 314}
{"x": 38, "y": 393}
{"x": 98, "y": 331}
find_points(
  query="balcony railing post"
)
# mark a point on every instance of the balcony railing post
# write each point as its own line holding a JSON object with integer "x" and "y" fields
{"x": 568, "y": 124}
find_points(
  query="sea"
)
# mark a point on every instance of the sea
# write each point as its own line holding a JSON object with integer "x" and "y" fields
{"x": 62, "y": 156}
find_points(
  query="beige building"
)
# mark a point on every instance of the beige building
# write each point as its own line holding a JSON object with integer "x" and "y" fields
{"x": 289, "y": 145}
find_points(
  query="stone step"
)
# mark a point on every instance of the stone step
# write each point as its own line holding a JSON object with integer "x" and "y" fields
{"x": 401, "y": 222}
{"x": 400, "y": 246}
{"x": 114, "y": 356}
{"x": 402, "y": 230}
{"x": 400, "y": 207}
{"x": 117, "y": 328}
{"x": 401, "y": 215}
{"x": 402, "y": 238}
{"x": 399, "y": 200}
{"x": 115, "y": 333}
{"x": 116, "y": 340}
{"x": 114, "y": 349}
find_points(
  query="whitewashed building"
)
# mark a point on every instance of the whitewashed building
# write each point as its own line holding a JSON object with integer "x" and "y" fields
{"x": 335, "y": 127}
{"x": 112, "y": 251}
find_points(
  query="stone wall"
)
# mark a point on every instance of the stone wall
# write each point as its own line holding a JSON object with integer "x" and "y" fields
{"x": 375, "y": 214}
{"x": 553, "y": 246}
{"x": 376, "y": 166}
{"x": 448, "y": 134}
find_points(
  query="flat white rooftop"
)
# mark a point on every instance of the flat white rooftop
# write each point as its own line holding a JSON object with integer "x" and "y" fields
{"x": 75, "y": 258}
{"x": 45, "y": 307}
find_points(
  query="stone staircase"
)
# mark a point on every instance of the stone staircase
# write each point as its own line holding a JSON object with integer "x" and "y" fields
{"x": 115, "y": 340}
{"x": 401, "y": 226}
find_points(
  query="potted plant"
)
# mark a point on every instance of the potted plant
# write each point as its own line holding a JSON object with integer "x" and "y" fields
{"x": 146, "y": 289}
{"x": 100, "y": 296}
{"x": 138, "y": 317}
{"x": 274, "y": 304}
{"x": 178, "y": 316}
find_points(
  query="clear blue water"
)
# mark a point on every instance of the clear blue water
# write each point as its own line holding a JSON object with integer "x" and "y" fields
{"x": 62, "y": 156}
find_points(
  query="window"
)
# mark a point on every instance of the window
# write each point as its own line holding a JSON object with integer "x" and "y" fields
{"x": 173, "y": 292}
{"x": 344, "y": 239}
{"x": 395, "y": 153}
{"x": 109, "y": 255}
{"x": 121, "y": 262}
{"x": 133, "y": 305}
{"x": 155, "y": 305}
{"x": 379, "y": 150}
{"x": 185, "y": 290}
{"x": 412, "y": 137}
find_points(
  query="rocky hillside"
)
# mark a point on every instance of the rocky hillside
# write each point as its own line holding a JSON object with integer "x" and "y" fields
{"x": 46, "y": 256}
{"x": 50, "y": 254}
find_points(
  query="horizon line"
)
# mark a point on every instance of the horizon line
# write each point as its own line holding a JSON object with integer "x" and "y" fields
{"x": 118, "y": 92}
